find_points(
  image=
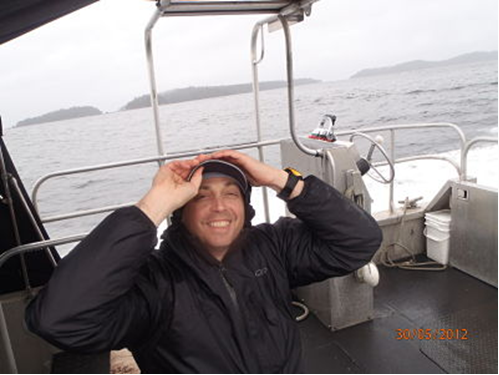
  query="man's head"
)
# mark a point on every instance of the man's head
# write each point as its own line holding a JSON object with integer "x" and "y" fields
{"x": 218, "y": 213}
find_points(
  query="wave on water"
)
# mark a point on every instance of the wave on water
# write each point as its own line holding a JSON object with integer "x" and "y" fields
{"x": 452, "y": 88}
{"x": 86, "y": 183}
{"x": 420, "y": 91}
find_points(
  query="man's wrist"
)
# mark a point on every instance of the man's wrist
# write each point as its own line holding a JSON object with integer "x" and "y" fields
{"x": 280, "y": 181}
{"x": 155, "y": 207}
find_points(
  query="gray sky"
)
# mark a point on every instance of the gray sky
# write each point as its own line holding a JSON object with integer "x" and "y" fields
{"x": 96, "y": 56}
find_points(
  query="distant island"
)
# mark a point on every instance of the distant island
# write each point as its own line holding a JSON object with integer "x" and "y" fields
{"x": 167, "y": 97}
{"x": 421, "y": 64}
{"x": 195, "y": 93}
{"x": 61, "y": 114}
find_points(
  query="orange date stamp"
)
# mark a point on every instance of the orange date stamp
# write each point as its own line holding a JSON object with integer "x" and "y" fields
{"x": 431, "y": 334}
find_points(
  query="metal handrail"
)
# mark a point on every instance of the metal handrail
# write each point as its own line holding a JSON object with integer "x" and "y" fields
{"x": 4, "y": 180}
{"x": 32, "y": 246}
{"x": 8, "y": 353}
{"x": 256, "y": 59}
{"x": 460, "y": 169}
{"x": 332, "y": 165}
{"x": 291, "y": 108}
{"x": 258, "y": 27}
{"x": 452, "y": 126}
{"x": 83, "y": 213}
{"x": 31, "y": 218}
{"x": 423, "y": 157}
{"x": 152, "y": 79}
{"x": 467, "y": 147}
{"x": 392, "y": 129}
{"x": 258, "y": 145}
{"x": 127, "y": 163}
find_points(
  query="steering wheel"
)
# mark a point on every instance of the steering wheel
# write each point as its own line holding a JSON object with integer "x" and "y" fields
{"x": 374, "y": 144}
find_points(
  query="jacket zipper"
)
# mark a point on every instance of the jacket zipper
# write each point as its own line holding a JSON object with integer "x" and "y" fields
{"x": 229, "y": 287}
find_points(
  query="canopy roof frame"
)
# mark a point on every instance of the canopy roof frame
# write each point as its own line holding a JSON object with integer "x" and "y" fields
{"x": 230, "y": 7}
{"x": 283, "y": 12}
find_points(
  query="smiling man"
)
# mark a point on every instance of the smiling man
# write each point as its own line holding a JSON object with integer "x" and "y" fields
{"x": 216, "y": 215}
{"x": 216, "y": 297}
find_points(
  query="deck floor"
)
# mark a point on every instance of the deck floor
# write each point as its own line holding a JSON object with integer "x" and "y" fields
{"x": 412, "y": 300}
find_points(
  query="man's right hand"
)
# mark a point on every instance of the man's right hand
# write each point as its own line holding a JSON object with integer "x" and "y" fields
{"x": 170, "y": 189}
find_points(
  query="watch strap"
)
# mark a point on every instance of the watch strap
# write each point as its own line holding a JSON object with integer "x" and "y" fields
{"x": 293, "y": 178}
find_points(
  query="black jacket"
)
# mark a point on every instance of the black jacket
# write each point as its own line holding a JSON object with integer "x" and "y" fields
{"x": 178, "y": 310}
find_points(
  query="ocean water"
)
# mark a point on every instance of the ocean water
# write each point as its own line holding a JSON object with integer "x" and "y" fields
{"x": 465, "y": 95}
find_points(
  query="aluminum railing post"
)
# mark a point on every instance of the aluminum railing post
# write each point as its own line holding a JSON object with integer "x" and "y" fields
{"x": 392, "y": 159}
{"x": 256, "y": 91}
{"x": 291, "y": 90}
{"x": 8, "y": 357}
{"x": 38, "y": 231}
{"x": 466, "y": 149}
{"x": 4, "y": 175}
{"x": 152, "y": 81}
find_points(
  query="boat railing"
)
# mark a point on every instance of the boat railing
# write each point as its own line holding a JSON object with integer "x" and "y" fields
{"x": 463, "y": 145}
{"x": 392, "y": 129}
{"x": 38, "y": 245}
{"x": 459, "y": 166}
{"x": 127, "y": 163}
{"x": 468, "y": 146}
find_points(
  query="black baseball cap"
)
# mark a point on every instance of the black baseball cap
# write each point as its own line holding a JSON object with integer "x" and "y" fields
{"x": 221, "y": 168}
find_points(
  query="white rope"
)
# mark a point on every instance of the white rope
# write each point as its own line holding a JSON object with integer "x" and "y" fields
{"x": 410, "y": 264}
{"x": 305, "y": 309}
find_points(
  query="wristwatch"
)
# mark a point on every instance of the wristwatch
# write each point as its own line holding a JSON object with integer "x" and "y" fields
{"x": 293, "y": 177}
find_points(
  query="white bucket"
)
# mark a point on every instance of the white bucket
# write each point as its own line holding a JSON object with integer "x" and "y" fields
{"x": 437, "y": 232}
{"x": 441, "y": 217}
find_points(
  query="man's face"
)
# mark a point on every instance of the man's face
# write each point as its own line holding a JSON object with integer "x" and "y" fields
{"x": 216, "y": 215}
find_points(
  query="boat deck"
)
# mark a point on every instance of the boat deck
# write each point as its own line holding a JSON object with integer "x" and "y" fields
{"x": 413, "y": 300}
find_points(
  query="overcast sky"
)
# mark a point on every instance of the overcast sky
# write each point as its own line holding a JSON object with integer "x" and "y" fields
{"x": 96, "y": 56}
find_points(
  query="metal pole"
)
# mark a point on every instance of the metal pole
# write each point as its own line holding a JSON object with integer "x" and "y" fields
{"x": 82, "y": 213}
{"x": 38, "y": 245}
{"x": 6, "y": 345}
{"x": 8, "y": 200}
{"x": 152, "y": 81}
{"x": 290, "y": 85}
{"x": 332, "y": 168}
{"x": 423, "y": 157}
{"x": 256, "y": 90}
{"x": 392, "y": 159}
{"x": 464, "y": 153}
{"x": 100, "y": 167}
{"x": 460, "y": 133}
{"x": 15, "y": 185}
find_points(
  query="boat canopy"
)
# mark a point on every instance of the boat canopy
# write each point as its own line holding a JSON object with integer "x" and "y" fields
{"x": 19, "y": 17}
{"x": 221, "y": 7}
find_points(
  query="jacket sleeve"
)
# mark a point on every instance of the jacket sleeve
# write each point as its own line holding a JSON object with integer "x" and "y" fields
{"x": 104, "y": 294}
{"x": 331, "y": 236}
